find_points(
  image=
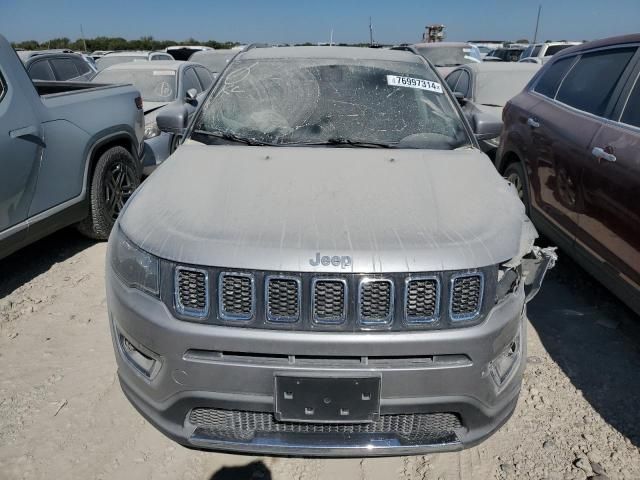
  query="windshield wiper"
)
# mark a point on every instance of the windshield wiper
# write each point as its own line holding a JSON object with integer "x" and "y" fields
{"x": 232, "y": 137}
{"x": 348, "y": 141}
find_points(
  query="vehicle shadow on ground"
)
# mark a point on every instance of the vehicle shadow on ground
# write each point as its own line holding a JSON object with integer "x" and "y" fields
{"x": 595, "y": 339}
{"x": 254, "y": 471}
{"x": 35, "y": 259}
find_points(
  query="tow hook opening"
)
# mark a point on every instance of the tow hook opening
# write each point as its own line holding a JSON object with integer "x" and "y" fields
{"x": 502, "y": 366}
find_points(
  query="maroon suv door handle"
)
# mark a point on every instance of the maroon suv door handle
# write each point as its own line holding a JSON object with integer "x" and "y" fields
{"x": 602, "y": 154}
{"x": 533, "y": 123}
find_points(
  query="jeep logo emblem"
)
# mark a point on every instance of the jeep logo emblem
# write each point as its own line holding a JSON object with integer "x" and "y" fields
{"x": 342, "y": 262}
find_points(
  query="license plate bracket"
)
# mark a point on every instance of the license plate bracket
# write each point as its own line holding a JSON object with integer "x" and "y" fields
{"x": 323, "y": 399}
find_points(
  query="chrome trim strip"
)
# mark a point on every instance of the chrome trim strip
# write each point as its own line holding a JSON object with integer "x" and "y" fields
{"x": 277, "y": 319}
{"x": 372, "y": 322}
{"x": 417, "y": 320}
{"x": 476, "y": 312}
{"x": 188, "y": 311}
{"x": 235, "y": 316}
{"x": 336, "y": 321}
{"x": 326, "y": 445}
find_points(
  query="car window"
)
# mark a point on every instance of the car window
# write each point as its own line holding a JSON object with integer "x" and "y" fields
{"x": 64, "y": 68}
{"x": 161, "y": 56}
{"x": 631, "y": 113}
{"x": 536, "y": 51}
{"x": 463, "y": 84}
{"x": 328, "y": 101}
{"x": 41, "y": 70}
{"x": 154, "y": 85}
{"x": 82, "y": 66}
{"x": 553, "y": 49}
{"x": 590, "y": 83}
{"x": 453, "y": 79}
{"x": 527, "y": 52}
{"x": 189, "y": 81}
{"x": 204, "y": 76}
{"x": 550, "y": 81}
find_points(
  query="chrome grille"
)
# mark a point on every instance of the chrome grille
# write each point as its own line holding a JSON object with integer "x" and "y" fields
{"x": 422, "y": 299}
{"x": 375, "y": 301}
{"x": 283, "y": 299}
{"x": 236, "y": 296}
{"x": 192, "y": 291}
{"x": 466, "y": 296}
{"x": 329, "y": 300}
{"x": 240, "y": 424}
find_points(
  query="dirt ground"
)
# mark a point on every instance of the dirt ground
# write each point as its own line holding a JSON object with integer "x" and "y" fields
{"x": 63, "y": 416}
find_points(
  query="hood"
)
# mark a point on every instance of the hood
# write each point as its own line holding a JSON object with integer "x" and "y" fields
{"x": 276, "y": 208}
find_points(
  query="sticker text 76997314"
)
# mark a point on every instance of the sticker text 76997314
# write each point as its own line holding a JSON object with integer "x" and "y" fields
{"x": 410, "y": 82}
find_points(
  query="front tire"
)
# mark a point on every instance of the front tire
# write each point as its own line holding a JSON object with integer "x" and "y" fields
{"x": 114, "y": 180}
{"x": 515, "y": 174}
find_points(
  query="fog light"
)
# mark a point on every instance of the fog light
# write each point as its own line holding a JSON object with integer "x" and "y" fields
{"x": 142, "y": 362}
{"x": 502, "y": 366}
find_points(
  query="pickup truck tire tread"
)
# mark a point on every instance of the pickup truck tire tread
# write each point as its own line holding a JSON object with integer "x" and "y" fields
{"x": 116, "y": 174}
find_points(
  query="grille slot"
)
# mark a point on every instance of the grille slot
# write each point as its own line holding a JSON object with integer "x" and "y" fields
{"x": 236, "y": 296}
{"x": 466, "y": 295}
{"x": 422, "y": 299}
{"x": 191, "y": 291}
{"x": 329, "y": 300}
{"x": 283, "y": 299}
{"x": 375, "y": 302}
{"x": 419, "y": 428}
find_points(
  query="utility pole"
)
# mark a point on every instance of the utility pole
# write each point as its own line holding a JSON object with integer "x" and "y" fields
{"x": 370, "y": 33}
{"x": 83, "y": 40}
{"x": 331, "y": 38}
{"x": 535, "y": 35}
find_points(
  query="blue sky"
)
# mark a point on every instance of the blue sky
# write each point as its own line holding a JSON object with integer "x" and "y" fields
{"x": 280, "y": 21}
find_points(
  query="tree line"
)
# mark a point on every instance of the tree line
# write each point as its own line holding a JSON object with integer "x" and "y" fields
{"x": 116, "y": 43}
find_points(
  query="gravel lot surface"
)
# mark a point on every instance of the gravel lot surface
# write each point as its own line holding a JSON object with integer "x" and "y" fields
{"x": 63, "y": 416}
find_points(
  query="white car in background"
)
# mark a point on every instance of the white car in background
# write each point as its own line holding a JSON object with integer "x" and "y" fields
{"x": 538, "y": 51}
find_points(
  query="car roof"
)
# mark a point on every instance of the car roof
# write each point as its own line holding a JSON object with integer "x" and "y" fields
{"x": 130, "y": 53}
{"x": 150, "y": 65}
{"x": 38, "y": 54}
{"x": 178, "y": 47}
{"x": 604, "y": 42}
{"x": 359, "y": 53}
{"x": 501, "y": 66}
{"x": 441, "y": 44}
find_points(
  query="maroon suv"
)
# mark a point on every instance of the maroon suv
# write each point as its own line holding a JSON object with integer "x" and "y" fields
{"x": 571, "y": 146}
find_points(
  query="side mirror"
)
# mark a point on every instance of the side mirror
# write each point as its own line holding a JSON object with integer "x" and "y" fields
{"x": 192, "y": 93}
{"x": 173, "y": 119}
{"x": 460, "y": 98}
{"x": 486, "y": 126}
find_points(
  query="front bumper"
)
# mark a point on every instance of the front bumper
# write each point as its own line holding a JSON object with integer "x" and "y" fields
{"x": 192, "y": 372}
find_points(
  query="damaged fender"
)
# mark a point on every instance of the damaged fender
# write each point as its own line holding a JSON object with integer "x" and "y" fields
{"x": 534, "y": 268}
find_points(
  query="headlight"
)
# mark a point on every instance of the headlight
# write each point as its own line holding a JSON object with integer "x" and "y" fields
{"x": 151, "y": 130}
{"x": 135, "y": 267}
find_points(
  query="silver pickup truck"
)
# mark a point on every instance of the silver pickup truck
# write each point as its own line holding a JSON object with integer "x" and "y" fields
{"x": 69, "y": 154}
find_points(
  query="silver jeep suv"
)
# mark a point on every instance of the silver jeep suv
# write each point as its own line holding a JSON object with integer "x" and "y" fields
{"x": 328, "y": 265}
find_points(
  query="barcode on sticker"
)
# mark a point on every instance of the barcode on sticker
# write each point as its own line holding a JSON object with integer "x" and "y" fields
{"x": 157, "y": 73}
{"x": 398, "y": 81}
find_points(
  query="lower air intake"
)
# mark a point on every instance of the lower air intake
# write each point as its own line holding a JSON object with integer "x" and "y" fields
{"x": 241, "y": 425}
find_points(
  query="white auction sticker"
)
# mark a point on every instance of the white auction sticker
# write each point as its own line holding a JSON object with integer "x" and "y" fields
{"x": 162, "y": 73}
{"x": 398, "y": 81}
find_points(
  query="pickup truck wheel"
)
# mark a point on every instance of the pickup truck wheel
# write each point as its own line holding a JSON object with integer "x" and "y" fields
{"x": 515, "y": 174}
{"x": 114, "y": 180}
